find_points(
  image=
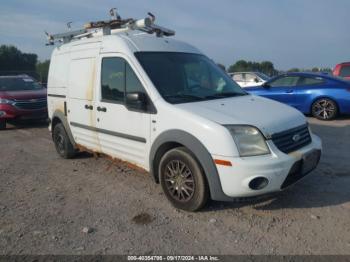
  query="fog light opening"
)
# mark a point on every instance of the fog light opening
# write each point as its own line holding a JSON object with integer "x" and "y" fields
{"x": 258, "y": 183}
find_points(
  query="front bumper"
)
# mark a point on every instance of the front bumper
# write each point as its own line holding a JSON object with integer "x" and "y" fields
{"x": 10, "y": 112}
{"x": 279, "y": 168}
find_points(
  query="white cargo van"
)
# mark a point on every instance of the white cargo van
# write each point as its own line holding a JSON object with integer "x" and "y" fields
{"x": 134, "y": 94}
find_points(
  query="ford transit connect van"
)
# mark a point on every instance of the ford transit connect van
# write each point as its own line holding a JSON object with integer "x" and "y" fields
{"x": 160, "y": 104}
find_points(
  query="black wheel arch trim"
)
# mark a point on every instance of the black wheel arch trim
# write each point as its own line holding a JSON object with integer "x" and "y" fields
{"x": 63, "y": 119}
{"x": 200, "y": 152}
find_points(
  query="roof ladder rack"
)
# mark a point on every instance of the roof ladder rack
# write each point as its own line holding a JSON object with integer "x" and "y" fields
{"x": 113, "y": 26}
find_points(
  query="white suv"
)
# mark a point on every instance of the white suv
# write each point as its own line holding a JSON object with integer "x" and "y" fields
{"x": 162, "y": 105}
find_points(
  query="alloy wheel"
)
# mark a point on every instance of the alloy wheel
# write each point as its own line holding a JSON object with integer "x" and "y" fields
{"x": 324, "y": 109}
{"x": 59, "y": 141}
{"x": 179, "y": 180}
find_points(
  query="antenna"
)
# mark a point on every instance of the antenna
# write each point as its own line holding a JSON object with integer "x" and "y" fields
{"x": 69, "y": 25}
{"x": 153, "y": 18}
{"x": 116, "y": 23}
{"x": 114, "y": 14}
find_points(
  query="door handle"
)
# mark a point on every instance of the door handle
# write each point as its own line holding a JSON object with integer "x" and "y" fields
{"x": 289, "y": 91}
{"x": 90, "y": 107}
{"x": 101, "y": 109}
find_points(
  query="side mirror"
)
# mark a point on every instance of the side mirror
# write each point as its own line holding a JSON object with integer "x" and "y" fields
{"x": 265, "y": 85}
{"x": 256, "y": 80}
{"x": 136, "y": 101}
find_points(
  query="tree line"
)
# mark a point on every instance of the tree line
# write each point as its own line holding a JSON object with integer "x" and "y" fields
{"x": 267, "y": 68}
{"x": 13, "y": 61}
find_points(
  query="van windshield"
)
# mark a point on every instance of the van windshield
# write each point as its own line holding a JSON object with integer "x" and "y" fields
{"x": 18, "y": 84}
{"x": 185, "y": 77}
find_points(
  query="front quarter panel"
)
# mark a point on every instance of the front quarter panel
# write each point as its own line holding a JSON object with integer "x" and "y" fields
{"x": 201, "y": 136}
{"x": 215, "y": 137}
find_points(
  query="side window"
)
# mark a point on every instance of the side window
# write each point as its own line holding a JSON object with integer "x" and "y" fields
{"x": 133, "y": 84}
{"x": 308, "y": 81}
{"x": 250, "y": 78}
{"x": 113, "y": 79}
{"x": 117, "y": 77}
{"x": 345, "y": 71}
{"x": 238, "y": 77}
{"x": 285, "y": 81}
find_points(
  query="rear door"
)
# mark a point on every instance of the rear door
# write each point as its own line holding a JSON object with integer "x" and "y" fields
{"x": 123, "y": 133}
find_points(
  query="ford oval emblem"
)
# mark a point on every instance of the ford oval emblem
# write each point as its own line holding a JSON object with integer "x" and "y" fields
{"x": 296, "y": 138}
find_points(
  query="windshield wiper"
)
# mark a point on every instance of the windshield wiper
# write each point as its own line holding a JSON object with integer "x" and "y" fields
{"x": 223, "y": 95}
{"x": 185, "y": 96}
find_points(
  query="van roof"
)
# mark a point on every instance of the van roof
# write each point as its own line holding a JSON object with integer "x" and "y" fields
{"x": 133, "y": 41}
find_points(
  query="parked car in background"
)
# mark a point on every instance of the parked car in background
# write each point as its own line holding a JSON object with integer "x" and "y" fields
{"x": 21, "y": 97}
{"x": 322, "y": 96}
{"x": 246, "y": 79}
{"x": 342, "y": 70}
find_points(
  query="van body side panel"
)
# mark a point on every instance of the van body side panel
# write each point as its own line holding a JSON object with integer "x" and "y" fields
{"x": 58, "y": 83}
{"x": 80, "y": 101}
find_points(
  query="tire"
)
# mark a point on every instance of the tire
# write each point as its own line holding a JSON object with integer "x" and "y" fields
{"x": 324, "y": 109}
{"x": 62, "y": 143}
{"x": 178, "y": 169}
{"x": 2, "y": 124}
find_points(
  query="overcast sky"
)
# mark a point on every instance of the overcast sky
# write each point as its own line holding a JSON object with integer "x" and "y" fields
{"x": 290, "y": 33}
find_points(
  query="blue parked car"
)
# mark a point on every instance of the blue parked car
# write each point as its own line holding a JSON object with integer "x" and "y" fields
{"x": 322, "y": 96}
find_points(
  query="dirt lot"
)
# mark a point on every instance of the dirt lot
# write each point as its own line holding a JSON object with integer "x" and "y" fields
{"x": 45, "y": 203}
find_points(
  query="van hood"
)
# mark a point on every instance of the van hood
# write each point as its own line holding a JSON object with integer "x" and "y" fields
{"x": 269, "y": 116}
{"x": 24, "y": 94}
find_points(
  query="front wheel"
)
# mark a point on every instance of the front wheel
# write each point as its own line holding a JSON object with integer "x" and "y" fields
{"x": 62, "y": 143}
{"x": 2, "y": 124}
{"x": 182, "y": 180}
{"x": 324, "y": 109}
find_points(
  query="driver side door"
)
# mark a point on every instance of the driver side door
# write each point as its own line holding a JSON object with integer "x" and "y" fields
{"x": 123, "y": 133}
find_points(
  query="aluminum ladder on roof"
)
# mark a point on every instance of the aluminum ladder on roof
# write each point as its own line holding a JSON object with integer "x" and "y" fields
{"x": 116, "y": 23}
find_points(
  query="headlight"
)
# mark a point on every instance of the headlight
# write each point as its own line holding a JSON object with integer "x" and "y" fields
{"x": 249, "y": 140}
{"x": 6, "y": 101}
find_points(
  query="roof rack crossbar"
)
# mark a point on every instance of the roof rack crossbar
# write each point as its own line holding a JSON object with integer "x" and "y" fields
{"x": 146, "y": 25}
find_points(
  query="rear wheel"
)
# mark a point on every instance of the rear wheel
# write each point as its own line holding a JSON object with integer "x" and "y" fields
{"x": 324, "y": 109}
{"x": 2, "y": 124}
{"x": 62, "y": 143}
{"x": 182, "y": 180}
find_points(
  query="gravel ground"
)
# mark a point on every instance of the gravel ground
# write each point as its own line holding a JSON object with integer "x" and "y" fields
{"x": 89, "y": 205}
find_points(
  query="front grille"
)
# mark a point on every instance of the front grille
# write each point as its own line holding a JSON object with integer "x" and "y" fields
{"x": 292, "y": 139}
{"x": 31, "y": 104}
